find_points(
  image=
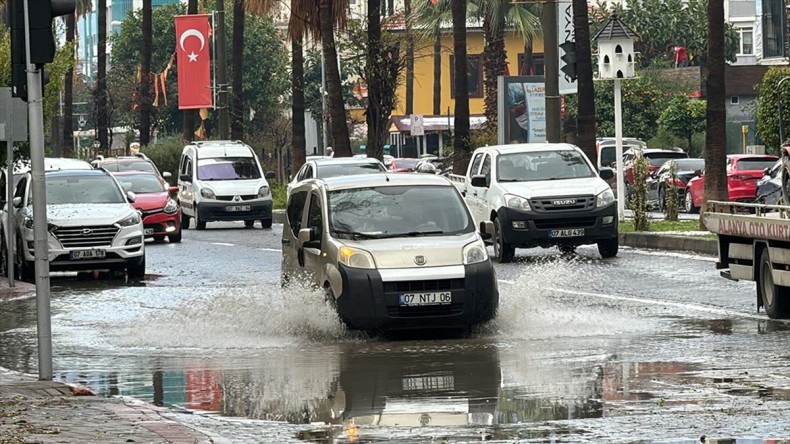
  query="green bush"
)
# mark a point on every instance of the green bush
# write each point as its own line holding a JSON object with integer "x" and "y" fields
{"x": 278, "y": 194}
{"x": 166, "y": 154}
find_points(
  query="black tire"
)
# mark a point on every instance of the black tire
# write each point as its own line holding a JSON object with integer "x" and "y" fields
{"x": 25, "y": 270}
{"x": 775, "y": 299}
{"x": 249, "y": 223}
{"x": 135, "y": 269}
{"x": 503, "y": 251}
{"x": 688, "y": 203}
{"x": 184, "y": 221}
{"x": 608, "y": 248}
{"x": 159, "y": 238}
{"x": 199, "y": 224}
{"x": 785, "y": 193}
{"x": 662, "y": 199}
{"x": 3, "y": 257}
{"x": 266, "y": 223}
{"x": 175, "y": 237}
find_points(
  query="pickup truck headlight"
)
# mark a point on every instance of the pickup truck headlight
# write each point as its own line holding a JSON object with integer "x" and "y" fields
{"x": 263, "y": 191}
{"x": 128, "y": 221}
{"x": 517, "y": 202}
{"x": 475, "y": 253}
{"x": 171, "y": 207}
{"x": 356, "y": 258}
{"x": 207, "y": 193}
{"x": 604, "y": 199}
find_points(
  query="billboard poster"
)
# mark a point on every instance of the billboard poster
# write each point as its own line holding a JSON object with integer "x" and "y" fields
{"x": 522, "y": 109}
{"x": 567, "y": 33}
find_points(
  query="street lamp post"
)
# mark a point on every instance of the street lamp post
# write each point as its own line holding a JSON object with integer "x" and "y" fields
{"x": 616, "y": 60}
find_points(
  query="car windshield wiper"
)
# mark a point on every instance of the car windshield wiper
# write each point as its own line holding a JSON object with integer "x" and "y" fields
{"x": 357, "y": 234}
{"x": 411, "y": 234}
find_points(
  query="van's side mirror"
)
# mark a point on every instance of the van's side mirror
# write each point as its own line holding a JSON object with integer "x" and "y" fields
{"x": 270, "y": 175}
{"x": 131, "y": 197}
{"x": 486, "y": 230}
{"x": 17, "y": 202}
{"x": 479, "y": 181}
{"x": 185, "y": 178}
{"x": 606, "y": 174}
{"x": 307, "y": 238}
{"x": 166, "y": 174}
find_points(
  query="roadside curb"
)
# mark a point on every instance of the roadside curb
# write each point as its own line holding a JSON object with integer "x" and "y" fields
{"x": 659, "y": 241}
{"x": 278, "y": 216}
{"x": 21, "y": 290}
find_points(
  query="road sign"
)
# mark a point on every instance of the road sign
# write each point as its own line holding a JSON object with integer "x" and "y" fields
{"x": 417, "y": 128}
{"x": 15, "y": 118}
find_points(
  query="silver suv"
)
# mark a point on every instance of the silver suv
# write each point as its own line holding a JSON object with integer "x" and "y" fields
{"x": 392, "y": 252}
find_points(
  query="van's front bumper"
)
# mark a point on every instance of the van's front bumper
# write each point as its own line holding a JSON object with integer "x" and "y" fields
{"x": 369, "y": 303}
{"x": 259, "y": 209}
{"x": 526, "y": 229}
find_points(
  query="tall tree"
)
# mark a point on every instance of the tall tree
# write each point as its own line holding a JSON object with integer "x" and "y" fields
{"x": 102, "y": 117}
{"x": 437, "y": 71}
{"x": 145, "y": 76}
{"x": 373, "y": 65}
{"x": 298, "y": 140}
{"x": 237, "y": 102}
{"x": 222, "y": 73}
{"x": 189, "y": 114}
{"x": 461, "y": 86}
{"x": 585, "y": 118}
{"x": 409, "y": 58}
{"x": 716, "y": 134}
{"x": 68, "y": 94}
{"x": 330, "y": 11}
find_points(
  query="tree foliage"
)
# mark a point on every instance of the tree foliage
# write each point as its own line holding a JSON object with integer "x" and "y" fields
{"x": 768, "y": 107}
{"x": 662, "y": 24}
{"x": 684, "y": 117}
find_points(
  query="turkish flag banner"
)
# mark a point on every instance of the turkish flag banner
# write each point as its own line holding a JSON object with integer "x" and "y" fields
{"x": 194, "y": 63}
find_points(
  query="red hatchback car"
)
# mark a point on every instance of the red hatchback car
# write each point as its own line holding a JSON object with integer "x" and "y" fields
{"x": 743, "y": 172}
{"x": 154, "y": 199}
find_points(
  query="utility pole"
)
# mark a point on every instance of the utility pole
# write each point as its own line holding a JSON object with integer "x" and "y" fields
{"x": 222, "y": 73}
{"x": 324, "y": 110}
{"x": 552, "y": 71}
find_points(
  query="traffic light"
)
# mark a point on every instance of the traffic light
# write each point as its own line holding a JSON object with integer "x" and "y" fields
{"x": 570, "y": 60}
{"x": 42, "y": 40}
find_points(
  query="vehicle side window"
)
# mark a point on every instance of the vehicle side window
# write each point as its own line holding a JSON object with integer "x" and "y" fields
{"x": 308, "y": 173}
{"x": 300, "y": 174}
{"x": 476, "y": 164}
{"x": 2, "y": 187}
{"x": 486, "y": 168}
{"x": 314, "y": 217}
{"x": 295, "y": 210}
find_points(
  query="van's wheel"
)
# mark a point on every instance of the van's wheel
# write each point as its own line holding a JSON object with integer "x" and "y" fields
{"x": 688, "y": 203}
{"x": 775, "y": 298}
{"x": 266, "y": 223}
{"x": 184, "y": 221}
{"x": 608, "y": 248}
{"x": 199, "y": 224}
{"x": 503, "y": 251}
{"x": 249, "y": 223}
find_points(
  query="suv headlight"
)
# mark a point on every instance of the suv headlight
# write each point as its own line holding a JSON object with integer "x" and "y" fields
{"x": 263, "y": 191}
{"x": 171, "y": 207}
{"x": 605, "y": 198}
{"x": 207, "y": 193}
{"x": 355, "y": 258}
{"x": 128, "y": 221}
{"x": 475, "y": 253}
{"x": 517, "y": 202}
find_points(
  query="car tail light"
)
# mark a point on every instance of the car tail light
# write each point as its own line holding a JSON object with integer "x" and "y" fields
{"x": 741, "y": 177}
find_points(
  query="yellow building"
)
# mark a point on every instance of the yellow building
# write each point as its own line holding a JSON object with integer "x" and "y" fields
{"x": 437, "y": 126}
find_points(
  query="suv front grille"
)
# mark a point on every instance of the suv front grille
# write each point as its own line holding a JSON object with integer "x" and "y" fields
{"x": 84, "y": 237}
{"x": 565, "y": 203}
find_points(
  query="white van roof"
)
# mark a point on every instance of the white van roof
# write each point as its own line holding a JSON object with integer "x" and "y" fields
{"x": 222, "y": 148}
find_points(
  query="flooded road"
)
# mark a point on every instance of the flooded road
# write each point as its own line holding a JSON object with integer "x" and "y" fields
{"x": 649, "y": 346}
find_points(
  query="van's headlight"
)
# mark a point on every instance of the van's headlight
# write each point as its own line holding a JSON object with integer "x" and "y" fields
{"x": 356, "y": 258}
{"x": 605, "y": 198}
{"x": 207, "y": 193}
{"x": 475, "y": 253}
{"x": 171, "y": 207}
{"x": 517, "y": 202}
{"x": 128, "y": 221}
{"x": 263, "y": 191}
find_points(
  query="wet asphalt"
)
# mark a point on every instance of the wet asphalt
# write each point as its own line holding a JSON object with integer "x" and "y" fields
{"x": 650, "y": 346}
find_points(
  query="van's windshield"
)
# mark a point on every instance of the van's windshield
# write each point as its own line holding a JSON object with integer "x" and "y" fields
{"x": 228, "y": 168}
{"x": 397, "y": 211}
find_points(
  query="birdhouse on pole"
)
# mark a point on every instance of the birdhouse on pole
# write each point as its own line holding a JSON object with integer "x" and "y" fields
{"x": 616, "y": 56}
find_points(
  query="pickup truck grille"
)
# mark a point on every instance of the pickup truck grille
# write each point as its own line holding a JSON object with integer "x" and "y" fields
{"x": 554, "y": 224}
{"x": 564, "y": 203}
{"x": 83, "y": 237}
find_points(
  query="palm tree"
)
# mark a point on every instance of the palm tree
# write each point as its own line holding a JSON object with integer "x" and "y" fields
{"x": 330, "y": 13}
{"x": 101, "y": 77}
{"x": 716, "y": 140}
{"x": 437, "y": 71}
{"x": 409, "y": 59}
{"x": 237, "y": 101}
{"x": 145, "y": 77}
{"x": 461, "y": 142}
{"x": 189, "y": 114}
{"x": 585, "y": 117}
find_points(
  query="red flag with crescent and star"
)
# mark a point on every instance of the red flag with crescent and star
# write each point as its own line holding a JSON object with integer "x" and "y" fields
{"x": 194, "y": 64}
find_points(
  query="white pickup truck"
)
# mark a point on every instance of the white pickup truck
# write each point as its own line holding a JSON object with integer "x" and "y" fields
{"x": 540, "y": 194}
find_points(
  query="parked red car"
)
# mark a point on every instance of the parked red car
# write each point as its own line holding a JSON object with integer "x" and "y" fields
{"x": 743, "y": 172}
{"x": 154, "y": 199}
{"x": 404, "y": 165}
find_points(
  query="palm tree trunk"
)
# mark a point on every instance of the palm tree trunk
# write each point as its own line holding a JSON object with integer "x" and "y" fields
{"x": 373, "y": 68}
{"x": 494, "y": 64}
{"x": 101, "y": 77}
{"x": 585, "y": 119}
{"x": 437, "y": 72}
{"x": 237, "y": 116}
{"x": 409, "y": 59}
{"x": 715, "y": 135}
{"x": 189, "y": 114}
{"x": 222, "y": 71}
{"x": 68, "y": 95}
{"x": 526, "y": 68}
{"x": 145, "y": 78}
{"x": 337, "y": 109}
{"x": 461, "y": 84}
{"x": 298, "y": 142}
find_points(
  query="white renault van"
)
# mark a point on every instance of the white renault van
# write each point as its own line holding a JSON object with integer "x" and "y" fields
{"x": 391, "y": 251}
{"x": 222, "y": 180}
